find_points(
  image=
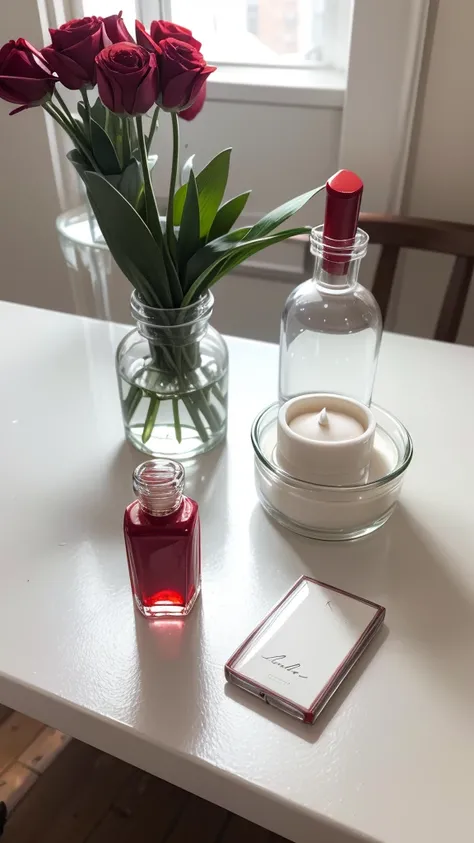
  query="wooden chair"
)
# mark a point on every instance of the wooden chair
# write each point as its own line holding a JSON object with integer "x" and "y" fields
{"x": 449, "y": 238}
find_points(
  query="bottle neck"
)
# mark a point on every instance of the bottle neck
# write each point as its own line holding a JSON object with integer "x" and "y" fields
{"x": 336, "y": 277}
{"x": 157, "y": 513}
{"x": 159, "y": 486}
{"x": 337, "y": 262}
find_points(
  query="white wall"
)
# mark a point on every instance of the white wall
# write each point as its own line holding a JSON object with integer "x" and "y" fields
{"x": 441, "y": 181}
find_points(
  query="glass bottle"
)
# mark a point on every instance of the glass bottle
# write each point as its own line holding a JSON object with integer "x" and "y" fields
{"x": 172, "y": 374}
{"x": 331, "y": 325}
{"x": 163, "y": 541}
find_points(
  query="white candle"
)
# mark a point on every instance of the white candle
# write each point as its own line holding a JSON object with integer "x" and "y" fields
{"x": 325, "y": 439}
{"x": 327, "y": 426}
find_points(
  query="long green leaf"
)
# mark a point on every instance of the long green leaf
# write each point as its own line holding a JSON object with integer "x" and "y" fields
{"x": 82, "y": 111}
{"x": 129, "y": 183}
{"x": 208, "y": 254}
{"x": 189, "y": 239}
{"x": 127, "y": 236}
{"x": 227, "y": 215}
{"x": 186, "y": 169}
{"x": 104, "y": 151}
{"x": 150, "y": 420}
{"x": 211, "y": 184}
{"x": 227, "y": 259}
{"x": 141, "y": 284}
{"x": 78, "y": 161}
{"x": 281, "y": 214}
{"x": 98, "y": 112}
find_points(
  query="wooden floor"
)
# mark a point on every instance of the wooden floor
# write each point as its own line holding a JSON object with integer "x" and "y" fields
{"x": 86, "y": 796}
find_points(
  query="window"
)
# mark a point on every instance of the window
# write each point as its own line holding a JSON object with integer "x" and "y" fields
{"x": 266, "y": 33}
{"x": 107, "y": 7}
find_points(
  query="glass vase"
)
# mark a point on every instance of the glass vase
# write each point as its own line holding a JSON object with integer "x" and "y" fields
{"x": 172, "y": 374}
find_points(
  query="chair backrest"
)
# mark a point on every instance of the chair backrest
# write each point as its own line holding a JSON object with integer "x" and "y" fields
{"x": 395, "y": 233}
{"x": 449, "y": 238}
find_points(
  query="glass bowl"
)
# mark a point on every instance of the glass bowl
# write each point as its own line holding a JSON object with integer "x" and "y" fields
{"x": 332, "y": 513}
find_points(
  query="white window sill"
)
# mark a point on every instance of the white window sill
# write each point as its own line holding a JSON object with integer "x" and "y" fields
{"x": 315, "y": 87}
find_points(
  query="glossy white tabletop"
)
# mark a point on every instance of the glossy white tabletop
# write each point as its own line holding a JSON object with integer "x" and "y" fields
{"x": 392, "y": 757}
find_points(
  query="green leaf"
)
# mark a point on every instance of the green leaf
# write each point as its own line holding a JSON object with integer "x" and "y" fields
{"x": 129, "y": 239}
{"x": 177, "y": 420}
{"x": 206, "y": 255}
{"x": 186, "y": 169}
{"x": 98, "y": 112}
{"x": 79, "y": 162}
{"x": 211, "y": 184}
{"x": 150, "y": 420}
{"x": 82, "y": 111}
{"x": 281, "y": 214}
{"x": 227, "y": 258}
{"x": 189, "y": 239}
{"x": 103, "y": 150}
{"x": 227, "y": 215}
{"x": 129, "y": 183}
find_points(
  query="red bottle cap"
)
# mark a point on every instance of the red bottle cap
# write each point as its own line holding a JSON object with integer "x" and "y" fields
{"x": 343, "y": 198}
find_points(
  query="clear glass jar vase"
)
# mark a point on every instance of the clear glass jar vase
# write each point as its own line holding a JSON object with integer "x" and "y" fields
{"x": 172, "y": 373}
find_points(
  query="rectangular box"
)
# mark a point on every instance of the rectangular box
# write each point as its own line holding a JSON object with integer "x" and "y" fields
{"x": 300, "y": 653}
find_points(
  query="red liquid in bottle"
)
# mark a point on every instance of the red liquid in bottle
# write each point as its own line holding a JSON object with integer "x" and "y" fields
{"x": 163, "y": 550}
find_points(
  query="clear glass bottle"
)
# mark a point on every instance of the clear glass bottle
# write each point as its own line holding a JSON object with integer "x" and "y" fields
{"x": 163, "y": 541}
{"x": 331, "y": 325}
{"x": 172, "y": 374}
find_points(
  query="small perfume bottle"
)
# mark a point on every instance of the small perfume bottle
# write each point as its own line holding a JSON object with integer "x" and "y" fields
{"x": 163, "y": 540}
{"x": 331, "y": 326}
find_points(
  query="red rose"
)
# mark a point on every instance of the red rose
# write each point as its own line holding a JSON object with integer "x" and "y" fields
{"x": 182, "y": 71}
{"x": 127, "y": 78}
{"x": 197, "y": 106}
{"x": 116, "y": 30}
{"x": 161, "y": 29}
{"x": 73, "y": 50}
{"x": 25, "y": 77}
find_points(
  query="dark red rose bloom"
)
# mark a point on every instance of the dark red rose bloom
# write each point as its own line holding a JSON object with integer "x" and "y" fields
{"x": 127, "y": 78}
{"x": 182, "y": 72}
{"x": 115, "y": 29}
{"x": 73, "y": 49}
{"x": 197, "y": 106}
{"x": 161, "y": 29}
{"x": 25, "y": 78}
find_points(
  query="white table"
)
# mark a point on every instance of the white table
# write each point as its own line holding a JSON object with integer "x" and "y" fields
{"x": 392, "y": 758}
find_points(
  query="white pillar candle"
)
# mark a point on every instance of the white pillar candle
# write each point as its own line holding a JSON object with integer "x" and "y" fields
{"x": 325, "y": 439}
{"x": 327, "y": 426}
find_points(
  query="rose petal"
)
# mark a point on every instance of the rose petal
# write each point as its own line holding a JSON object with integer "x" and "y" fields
{"x": 70, "y": 73}
{"x": 176, "y": 92}
{"x": 197, "y": 106}
{"x": 84, "y": 54}
{"x": 71, "y": 33}
{"x": 143, "y": 39}
{"x": 115, "y": 29}
{"x": 24, "y": 91}
{"x": 160, "y": 29}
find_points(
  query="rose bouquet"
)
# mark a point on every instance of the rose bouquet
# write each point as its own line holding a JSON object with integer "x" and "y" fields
{"x": 172, "y": 373}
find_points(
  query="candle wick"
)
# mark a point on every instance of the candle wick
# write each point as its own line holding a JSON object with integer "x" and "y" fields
{"x": 323, "y": 418}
